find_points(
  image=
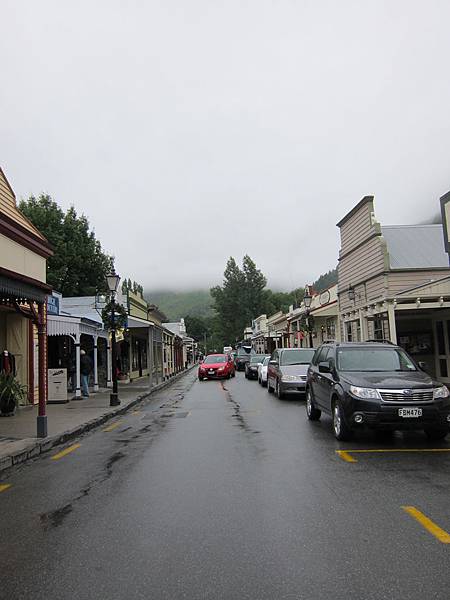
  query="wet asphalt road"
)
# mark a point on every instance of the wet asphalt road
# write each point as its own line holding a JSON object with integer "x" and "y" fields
{"x": 223, "y": 491}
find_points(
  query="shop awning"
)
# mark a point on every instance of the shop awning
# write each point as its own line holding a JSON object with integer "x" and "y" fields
{"x": 21, "y": 291}
{"x": 136, "y": 322}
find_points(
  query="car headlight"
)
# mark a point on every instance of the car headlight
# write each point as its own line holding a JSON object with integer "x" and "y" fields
{"x": 290, "y": 378}
{"x": 441, "y": 392}
{"x": 365, "y": 393}
{"x": 221, "y": 369}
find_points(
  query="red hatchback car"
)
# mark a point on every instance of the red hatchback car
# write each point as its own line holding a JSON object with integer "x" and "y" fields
{"x": 216, "y": 366}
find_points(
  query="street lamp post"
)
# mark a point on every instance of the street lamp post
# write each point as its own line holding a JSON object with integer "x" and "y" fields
{"x": 307, "y": 298}
{"x": 113, "y": 283}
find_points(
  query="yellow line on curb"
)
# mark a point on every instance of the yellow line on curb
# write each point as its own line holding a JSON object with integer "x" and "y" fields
{"x": 428, "y": 524}
{"x": 4, "y": 487}
{"x": 65, "y": 452}
{"x": 346, "y": 456}
{"x": 112, "y": 426}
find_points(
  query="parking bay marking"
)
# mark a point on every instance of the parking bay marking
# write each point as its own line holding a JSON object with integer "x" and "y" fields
{"x": 4, "y": 487}
{"x": 346, "y": 455}
{"x": 65, "y": 452}
{"x": 428, "y": 524}
{"x": 113, "y": 426}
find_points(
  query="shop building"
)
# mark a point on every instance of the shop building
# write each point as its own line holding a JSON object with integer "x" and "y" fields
{"x": 322, "y": 318}
{"x": 75, "y": 324}
{"x": 394, "y": 284}
{"x": 277, "y": 332}
{"x": 23, "y": 298}
{"x": 259, "y": 334}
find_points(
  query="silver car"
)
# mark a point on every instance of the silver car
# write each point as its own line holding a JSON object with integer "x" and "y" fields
{"x": 262, "y": 372}
{"x": 287, "y": 369}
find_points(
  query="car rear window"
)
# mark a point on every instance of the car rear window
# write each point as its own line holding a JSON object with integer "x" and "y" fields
{"x": 302, "y": 356}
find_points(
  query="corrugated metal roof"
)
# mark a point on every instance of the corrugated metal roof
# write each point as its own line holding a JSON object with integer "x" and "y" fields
{"x": 415, "y": 246}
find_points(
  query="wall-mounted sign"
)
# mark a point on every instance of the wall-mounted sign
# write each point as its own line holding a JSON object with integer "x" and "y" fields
{"x": 325, "y": 297}
{"x": 53, "y": 305}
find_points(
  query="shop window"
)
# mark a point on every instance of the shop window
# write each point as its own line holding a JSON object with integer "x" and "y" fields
{"x": 440, "y": 337}
{"x": 443, "y": 367}
{"x": 349, "y": 332}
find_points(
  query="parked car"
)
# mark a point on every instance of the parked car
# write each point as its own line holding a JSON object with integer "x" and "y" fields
{"x": 287, "y": 370}
{"x": 216, "y": 366}
{"x": 251, "y": 367}
{"x": 262, "y": 372}
{"x": 243, "y": 356}
{"x": 375, "y": 385}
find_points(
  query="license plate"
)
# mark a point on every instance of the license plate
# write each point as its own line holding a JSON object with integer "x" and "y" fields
{"x": 211, "y": 371}
{"x": 409, "y": 412}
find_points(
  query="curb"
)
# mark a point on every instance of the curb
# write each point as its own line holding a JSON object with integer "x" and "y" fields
{"x": 41, "y": 446}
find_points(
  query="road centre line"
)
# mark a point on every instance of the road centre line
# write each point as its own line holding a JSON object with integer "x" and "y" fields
{"x": 4, "y": 487}
{"x": 113, "y": 426}
{"x": 64, "y": 452}
{"x": 428, "y": 524}
{"x": 347, "y": 454}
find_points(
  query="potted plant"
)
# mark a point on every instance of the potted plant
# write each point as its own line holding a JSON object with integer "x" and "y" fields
{"x": 12, "y": 392}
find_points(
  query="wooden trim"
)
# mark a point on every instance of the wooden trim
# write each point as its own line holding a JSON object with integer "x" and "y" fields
{"x": 355, "y": 209}
{"x": 358, "y": 246}
{"x": 21, "y": 235}
{"x": 25, "y": 279}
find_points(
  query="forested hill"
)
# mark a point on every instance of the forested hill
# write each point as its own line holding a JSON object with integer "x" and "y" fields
{"x": 196, "y": 303}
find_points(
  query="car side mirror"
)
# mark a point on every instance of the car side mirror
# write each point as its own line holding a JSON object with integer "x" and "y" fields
{"x": 422, "y": 365}
{"x": 324, "y": 367}
{"x": 273, "y": 362}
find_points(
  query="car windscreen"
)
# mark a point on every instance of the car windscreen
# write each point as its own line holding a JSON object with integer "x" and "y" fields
{"x": 302, "y": 356}
{"x": 214, "y": 359}
{"x": 373, "y": 360}
{"x": 266, "y": 361}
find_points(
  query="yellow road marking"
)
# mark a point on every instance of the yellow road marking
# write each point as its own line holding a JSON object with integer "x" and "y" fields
{"x": 428, "y": 524}
{"x": 4, "y": 487}
{"x": 346, "y": 454}
{"x": 65, "y": 452}
{"x": 112, "y": 426}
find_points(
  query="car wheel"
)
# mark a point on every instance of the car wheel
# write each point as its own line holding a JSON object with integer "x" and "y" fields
{"x": 200, "y": 378}
{"x": 233, "y": 374}
{"x": 436, "y": 433}
{"x": 312, "y": 412}
{"x": 264, "y": 383}
{"x": 229, "y": 375}
{"x": 342, "y": 431}
{"x": 279, "y": 393}
{"x": 269, "y": 387}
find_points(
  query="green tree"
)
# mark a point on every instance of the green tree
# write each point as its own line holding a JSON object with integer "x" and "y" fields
{"x": 238, "y": 300}
{"x": 79, "y": 266}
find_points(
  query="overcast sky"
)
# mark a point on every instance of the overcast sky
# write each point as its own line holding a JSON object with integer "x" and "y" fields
{"x": 191, "y": 130}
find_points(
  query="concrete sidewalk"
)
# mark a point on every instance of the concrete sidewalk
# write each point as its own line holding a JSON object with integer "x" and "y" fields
{"x": 65, "y": 421}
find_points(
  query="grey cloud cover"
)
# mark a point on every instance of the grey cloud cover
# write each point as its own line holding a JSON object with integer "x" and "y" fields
{"x": 191, "y": 130}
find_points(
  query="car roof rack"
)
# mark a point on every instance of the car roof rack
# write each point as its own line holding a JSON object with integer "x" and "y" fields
{"x": 380, "y": 342}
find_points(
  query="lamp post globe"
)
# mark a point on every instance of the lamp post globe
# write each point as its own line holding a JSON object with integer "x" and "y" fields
{"x": 113, "y": 281}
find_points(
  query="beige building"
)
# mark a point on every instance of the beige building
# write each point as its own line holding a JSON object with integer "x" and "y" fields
{"x": 324, "y": 317}
{"x": 394, "y": 284}
{"x": 23, "y": 295}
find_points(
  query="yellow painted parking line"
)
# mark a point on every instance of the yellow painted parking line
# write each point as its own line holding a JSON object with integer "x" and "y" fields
{"x": 66, "y": 451}
{"x": 428, "y": 524}
{"x": 113, "y": 426}
{"x": 346, "y": 454}
{"x": 4, "y": 487}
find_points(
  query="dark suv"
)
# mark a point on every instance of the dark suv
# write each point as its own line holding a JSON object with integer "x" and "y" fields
{"x": 243, "y": 357}
{"x": 375, "y": 385}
